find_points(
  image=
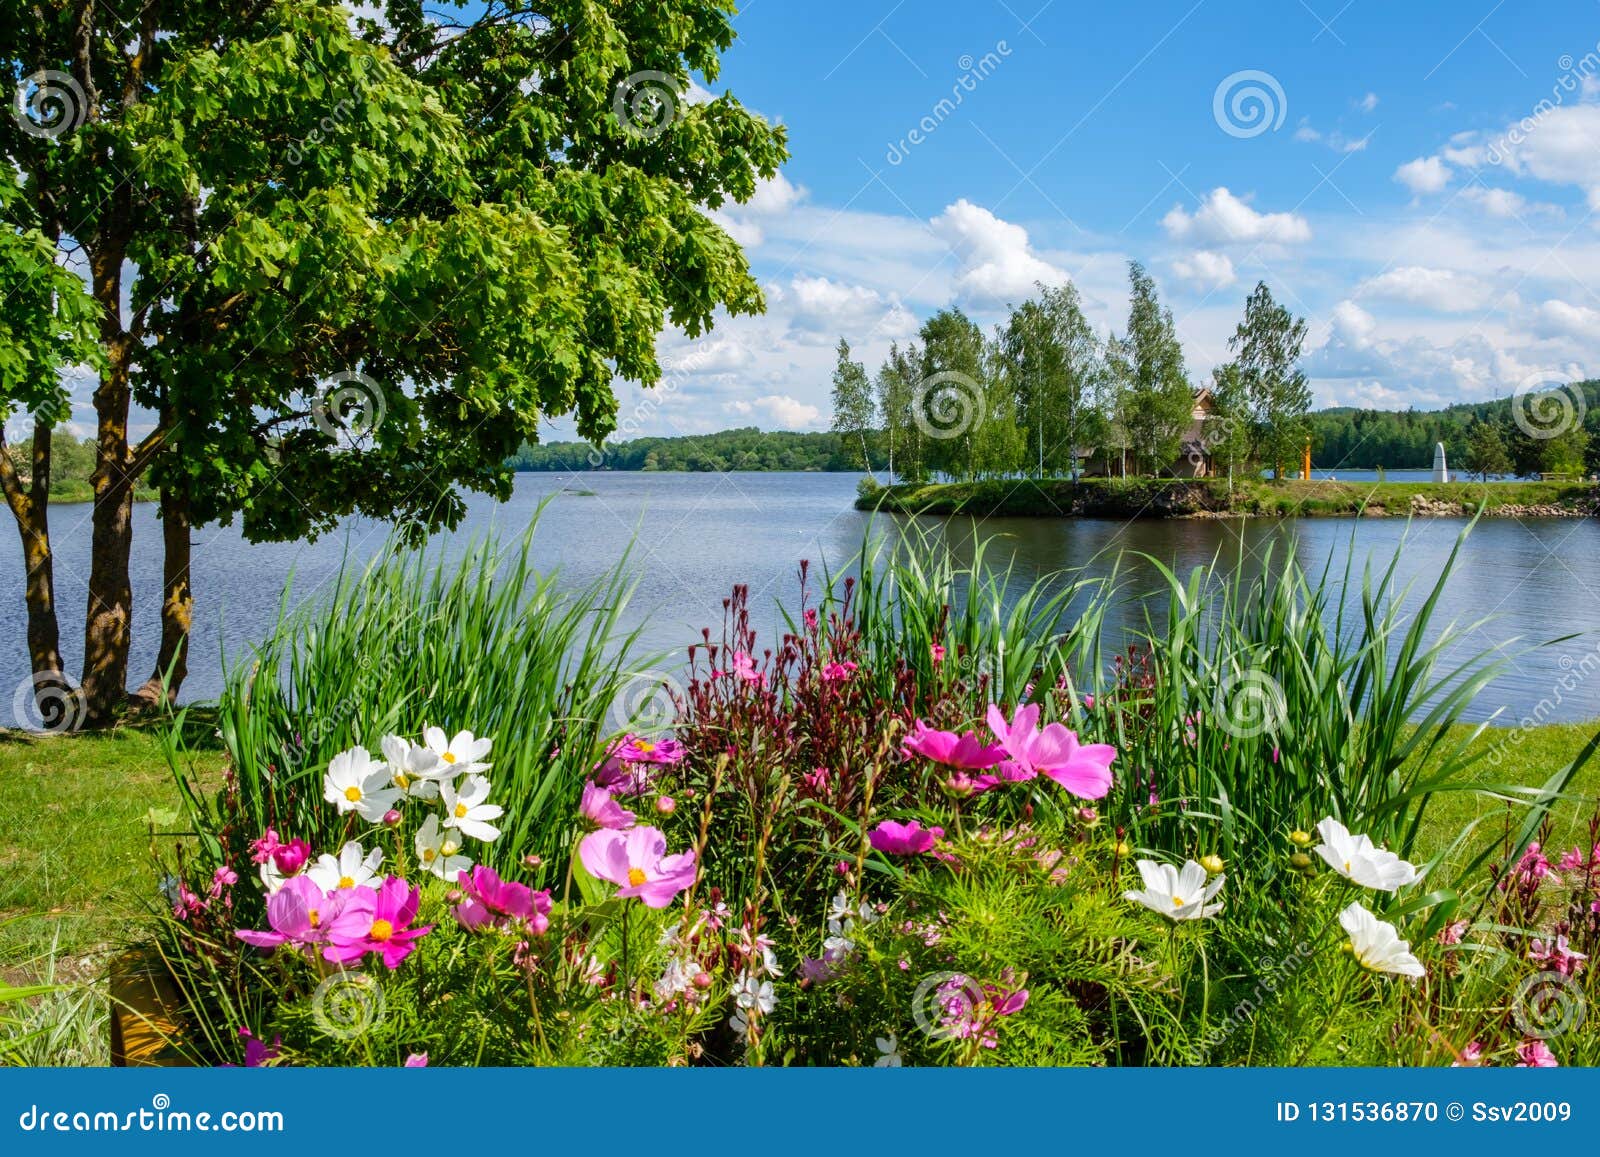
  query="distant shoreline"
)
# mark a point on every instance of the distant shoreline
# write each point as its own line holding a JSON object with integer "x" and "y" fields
{"x": 1212, "y": 498}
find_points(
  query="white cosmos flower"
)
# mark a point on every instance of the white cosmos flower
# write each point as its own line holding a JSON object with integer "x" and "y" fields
{"x": 1356, "y": 858}
{"x": 462, "y": 755}
{"x": 353, "y": 867}
{"x": 889, "y": 1047}
{"x": 355, "y": 783}
{"x": 414, "y": 770}
{"x": 436, "y": 850}
{"x": 1377, "y": 945}
{"x": 1175, "y": 894}
{"x": 466, "y": 810}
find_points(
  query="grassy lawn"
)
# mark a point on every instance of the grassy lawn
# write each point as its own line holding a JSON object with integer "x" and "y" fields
{"x": 75, "y": 859}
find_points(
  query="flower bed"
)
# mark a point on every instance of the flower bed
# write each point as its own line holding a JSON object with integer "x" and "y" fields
{"x": 883, "y": 841}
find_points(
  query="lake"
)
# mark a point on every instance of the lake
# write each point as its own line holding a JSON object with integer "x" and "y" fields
{"x": 695, "y": 535}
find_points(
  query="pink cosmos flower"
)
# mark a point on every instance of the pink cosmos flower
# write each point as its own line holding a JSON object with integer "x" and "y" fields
{"x": 937, "y": 651}
{"x": 621, "y": 778}
{"x": 289, "y": 858}
{"x": 1452, "y": 933}
{"x": 301, "y": 913}
{"x": 1470, "y": 1057}
{"x": 416, "y": 1061}
{"x": 637, "y": 862}
{"x": 965, "y": 751}
{"x": 637, "y": 749}
{"x": 1535, "y": 1054}
{"x": 601, "y": 810}
{"x": 1054, "y": 752}
{"x": 377, "y": 921}
{"x": 491, "y": 901}
{"x": 897, "y": 839}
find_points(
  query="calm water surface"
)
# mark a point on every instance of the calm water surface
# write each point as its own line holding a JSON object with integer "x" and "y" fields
{"x": 694, "y": 535}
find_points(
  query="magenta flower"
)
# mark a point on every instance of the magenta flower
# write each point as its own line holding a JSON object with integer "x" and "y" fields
{"x": 1471, "y": 1056}
{"x": 837, "y": 672}
{"x": 745, "y": 667}
{"x": 301, "y": 913}
{"x": 416, "y": 1061}
{"x": 637, "y": 862}
{"x": 289, "y": 858}
{"x": 601, "y": 810}
{"x": 897, "y": 839}
{"x": 936, "y": 651}
{"x": 1535, "y": 1054}
{"x": 621, "y": 778}
{"x": 1557, "y": 956}
{"x": 636, "y": 749}
{"x": 1054, "y": 752}
{"x": 261, "y": 850}
{"x": 1088, "y": 702}
{"x": 257, "y": 1053}
{"x": 965, "y": 751}
{"x": 491, "y": 901}
{"x": 377, "y": 921}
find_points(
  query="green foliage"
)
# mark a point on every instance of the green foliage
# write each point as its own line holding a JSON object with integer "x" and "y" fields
{"x": 475, "y": 640}
{"x": 746, "y": 448}
{"x": 853, "y": 406}
{"x": 1277, "y": 395}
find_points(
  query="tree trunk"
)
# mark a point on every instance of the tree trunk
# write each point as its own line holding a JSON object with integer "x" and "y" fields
{"x": 53, "y": 697}
{"x": 108, "y": 620}
{"x": 177, "y": 602}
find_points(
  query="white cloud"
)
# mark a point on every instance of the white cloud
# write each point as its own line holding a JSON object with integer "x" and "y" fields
{"x": 785, "y": 412}
{"x": 997, "y": 261}
{"x": 1561, "y": 147}
{"x": 772, "y": 198}
{"x": 1368, "y": 102}
{"x": 1445, "y": 290}
{"x": 1506, "y": 204}
{"x": 1424, "y": 175}
{"x": 1562, "y": 318}
{"x": 1206, "y": 269}
{"x": 1225, "y": 219}
{"x": 821, "y": 305}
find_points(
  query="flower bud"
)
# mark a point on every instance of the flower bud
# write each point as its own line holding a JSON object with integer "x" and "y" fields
{"x": 1301, "y": 862}
{"x": 1299, "y": 838}
{"x": 666, "y": 805}
{"x": 391, "y": 818}
{"x": 1089, "y": 815}
{"x": 532, "y": 861}
{"x": 702, "y": 980}
{"x": 1124, "y": 849}
{"x": 1212, "y": 863}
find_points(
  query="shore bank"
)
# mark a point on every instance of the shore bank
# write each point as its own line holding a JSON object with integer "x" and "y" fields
{"x": 1213, "y": 498}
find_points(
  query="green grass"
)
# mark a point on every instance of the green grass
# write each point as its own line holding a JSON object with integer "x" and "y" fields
{"x": 75, "y": 864}
{"x": 1158, "y": 498}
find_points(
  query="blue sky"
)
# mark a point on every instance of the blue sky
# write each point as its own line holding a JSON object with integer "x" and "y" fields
{"x": 1423, "y": 187}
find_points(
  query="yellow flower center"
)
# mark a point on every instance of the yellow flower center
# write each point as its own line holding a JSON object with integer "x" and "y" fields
{"x": 636, "y": 877}
{"x": 1347, "y": 867}
{"x": 645, "y": 746}
{"x": 381, "y": 930}
{"x": 461, "y": 811}
{"x": 314, "y": 918}
{"x": 448, "y": 757}
{"x": 402, "y": 781}
{"x": 346, "y": 882}
{"x": 449, "y": 848}
{"x": 353, "y": 794}
{"x": 1177, "y": 901}
{"x": 429, "y": 855}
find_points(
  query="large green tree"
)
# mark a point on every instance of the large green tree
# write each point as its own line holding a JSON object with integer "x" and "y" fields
{"x": 854, "y": 407}
{"x": 1266, "y": 347}
{"x": 345, "y": 265}
{"x": 951, "y": 397}
{"x": 1052, "y": 360}
{"x": 1158, "y": 402}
